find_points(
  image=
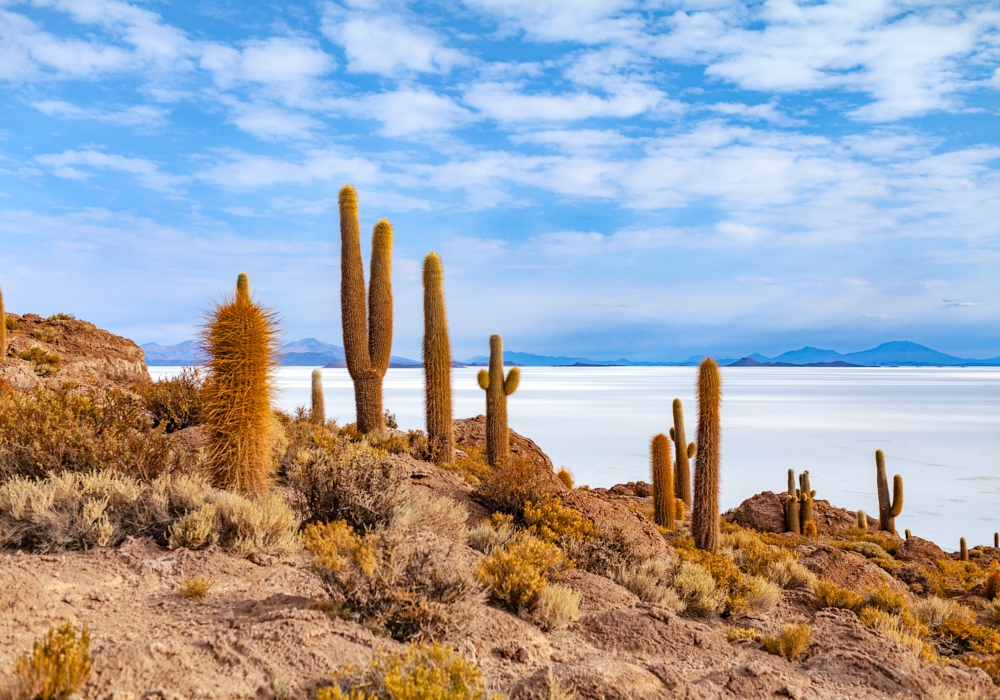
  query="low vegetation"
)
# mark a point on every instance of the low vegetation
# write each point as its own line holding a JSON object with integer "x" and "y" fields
{"x": 57, "y": 667}
{"x": 195, "y": 588}
{"x": 790, "y": 644}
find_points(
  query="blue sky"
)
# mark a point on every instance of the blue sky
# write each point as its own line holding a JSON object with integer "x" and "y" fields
{"x": 601, "y": 179}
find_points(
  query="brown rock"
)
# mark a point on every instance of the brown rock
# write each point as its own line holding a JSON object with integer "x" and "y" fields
{"x": 847, "y": 569}
{"x": 595, "y": 677}
{"x": 438, "y": 482}
{"x": 471, "y": 432}
{"x": 86, "y": 351}
{"x": 599, "y": 593}
{"x": 916, "y": 550}
{"x": 611, "y": 515}
{"x": 765, "y": 512}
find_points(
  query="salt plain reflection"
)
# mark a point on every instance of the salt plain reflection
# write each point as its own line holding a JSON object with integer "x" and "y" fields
{"x": 939, "y": 429}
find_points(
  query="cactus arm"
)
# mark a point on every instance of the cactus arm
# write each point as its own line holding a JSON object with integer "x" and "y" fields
{"x": 380, "y": 298}
{"x": 243, "y": 286}
{"x": 484, "y": 380}
{"x": 897, "y": 495}
{"x": 513, "y": 381}
{"x": 791, "y": 482}
{"x": 691, "y": 449}
{"x": 672, "y": 434}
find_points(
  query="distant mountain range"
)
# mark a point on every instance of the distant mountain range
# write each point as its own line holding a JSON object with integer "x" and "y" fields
{"x": 310, "y": 352}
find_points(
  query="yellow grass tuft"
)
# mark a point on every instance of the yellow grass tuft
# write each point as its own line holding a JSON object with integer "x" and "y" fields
{"x": 57, "y": 667}
{"x": 195, "y": 588}
{"x": 790, "y": 644}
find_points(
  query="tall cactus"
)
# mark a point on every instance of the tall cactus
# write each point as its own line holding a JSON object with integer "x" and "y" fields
{"x": 366, "y": 347}
{"x": 437, "y": 365}
{"x": 3, "y": 331}
{"x": 806, "y": 495}
{"x": 863, "y": 520}
{"x": 664, "y": 507}
{"x": 684, "y": 452}
{"x": 963, "y": 550}
{"x": 887, "y": 510}
{"x": 240, "y": 339}
{"x": 793, "y": 523}
{"x": 705, "y": 510}
{"x": 318, "y": 413}
{"x": 497, "y": 390}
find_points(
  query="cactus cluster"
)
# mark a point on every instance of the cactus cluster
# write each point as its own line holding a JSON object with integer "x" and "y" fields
{"x": 888, "y": 510}
{"x": 437, "y": 365}
{"x": 240, "y": 340}
{"x": 684, "y": 451}
{"x": 705, "y": 508}
{"x": 799, "y": 506}
{"x": 497, "y": 388}
{"x": 664, "y": 502}
{"x": 367, "y": 341}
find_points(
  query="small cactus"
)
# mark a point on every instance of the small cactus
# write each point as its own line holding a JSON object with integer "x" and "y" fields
{"x": 907, "y": 533}
{"x": 240, "y": 340}
{"x": 684, "y": 452}
{"x": 664, "y": 509}
{"x": 243, "y": 287}
{"x": 887, "y": 510}
{"x": 993, "y": 585}
{"x": 437, "y": 365}
{"x": 996, "y": 540}
{"x": 806, "y": 495}
{"x": 680, "y": 509}
{"x": 705, "y": 506}
{"x": 497, "y": 390}
{"x": 862, "y": 521}
{"x": 367, "y": 345}
{"x": 963, "y": 553}
{"x": 793, "y": 523}
{"x": 318, "y": 413}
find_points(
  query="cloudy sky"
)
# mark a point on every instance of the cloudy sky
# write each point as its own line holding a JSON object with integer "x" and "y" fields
{"x": 601, "y": 178}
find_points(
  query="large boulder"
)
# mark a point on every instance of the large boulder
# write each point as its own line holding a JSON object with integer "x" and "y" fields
{"x": 612, "y": 515}
{"x": 765, "y": 512}
{"x": 86, "y": 353}
{"x": 916, "y": 550}
{"x": 471, "y": 432}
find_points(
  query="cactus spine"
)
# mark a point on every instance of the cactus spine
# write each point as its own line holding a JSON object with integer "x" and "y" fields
{"x": 887, "y": 510}
{"x": 792, "y": 522}
{"x": 240, "y": 338}
{"x": 664, "y": 507}
{"x": 3, "y": 331}
{"x": 437, "y": 365}
{"x": 366, "y": 347}
{"x": 497, "y": 390}
{"x": 318, "y": 412}
{"x": 684, "y": 452}
{"x": 806, "y": 495}
{"x": 862, "y": 521}
{"x": 963, "y": 550}
{"x": 705, "y": 507}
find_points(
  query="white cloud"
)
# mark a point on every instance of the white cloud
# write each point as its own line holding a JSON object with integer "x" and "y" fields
{"x": 585, "y": 21}
{"x": 410, "y": 111}
{"x": 247, "y": 171}
{"x": 270, "y": 122}
{"x": 146, "y": 172}
{"x": 761, "y": 112}
{"x": 387, "y": 44}
{"x": 506, "y": 102}
{"x": 280, "y": 62}
{"x": 137, "y": 115}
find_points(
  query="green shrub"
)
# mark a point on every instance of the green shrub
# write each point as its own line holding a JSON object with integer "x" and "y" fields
{"x": 790, "y": 644}
{"x": 423, "y": 672}
{"x": 517, "y": 573}
{"x": 409, "y": 593}
{"x": 57, "y": 667}
{"x": 176, "y": 402}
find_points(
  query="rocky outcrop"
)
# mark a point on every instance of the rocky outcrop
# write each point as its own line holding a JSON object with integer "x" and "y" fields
{"x": 84, "y": 351}
{"x": 471, "y": 432}
{"x": 765, "y": 512}
{"x": 847, "y": 569}
{"x": 613, "y": 515}
{"x": 921, "y": 552}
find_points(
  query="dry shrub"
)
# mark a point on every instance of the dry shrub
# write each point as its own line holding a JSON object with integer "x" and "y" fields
{"x": 440, "y": 515}
{"x": 57, "y": 667}
{"x": 517, "y": 573}
{"x": 176, "y": 402}
{"x": 557, "y": 607}
{"x": 869, "y": 550}
{"x": 606, "y": 555}
{"x": 45, "y": 335}
{"x": 762, "y": 595}
{"x": 498, "y": 531}
{"x": 78, "y": 429}
{"x": 968, "y": 636}
{"x": 81, "y": 511}
{"x": 61, "y": 317}
{"x": 954, "y": 577}
{"x": 904, "y": 629}
{"x": 649, "y": 581}
{"x": 990, "y": 665}
{"x": 516, "y": 481}
{"x": 195, "y": 588}
{"x": 408, "y": 593}
{"x": 790, "y": 644}
{"x": 754, "y": 556}
{"x": 830, "y": 595}
{"x": 741, "y": 591}
{"x": 553, "y": 522}
{"x": 423, "y": 672}
{"x": 565, "y": 476}
{"x": 737, "y": 633}
{"x": 933, "y": 611}
{"x": 791, "y": 574}
{"x": 45, "y": 363}
{"x": 884, "y": 598}
{"x": 344, "y": 480}
{"x": 697, "y": 589}
{"x": 993, "y": 611}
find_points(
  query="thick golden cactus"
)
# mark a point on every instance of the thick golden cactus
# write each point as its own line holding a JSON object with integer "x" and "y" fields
{"x": 497, "y": 389}
{"x": 806, "y": 495}
{"x": 684, "y": 451}
{"x": 240, "y": 340}
{"x": 366, "y": 347}
{"x": 664, "y": 507}
{"x": 963, "y": 550}
{"x": 317, "y": 414}
{"x": 437, "y": 365}
{"x": 705, "y": 509}
{"x": 793, "y": 522}
{"x": 887, "y": 510}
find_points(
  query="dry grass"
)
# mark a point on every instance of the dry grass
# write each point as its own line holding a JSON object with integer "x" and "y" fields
{"x": 45, "y": 363}
{"x": 195, "y": 588}
{"x": 423, "y": 672}
{"x": 78, "y": 429}
{"x": 905, "y": 629}
{"x": 174, "y": 403}
{"x": 697, "y": 589}
{"x": 408, "y": 593}
{"x": 830, "y": 595}
{"x": 440, "y": 515}
{"x": 933, "y": 611}
{"x": 556, "y": 607}
{"x": 736, "y": 633}
{"x": 884, "y": 598}
{"x": 518, "y": 480}
{"x": 57, "y": 667}
{"x": 45, "y": 335}
{"x": 790, "y": 644}
{"x": 517, "y": 573}
{"x": 82, "y": 511}
{"x": 650, "y": 582}
{"x": 498, "y": 531}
